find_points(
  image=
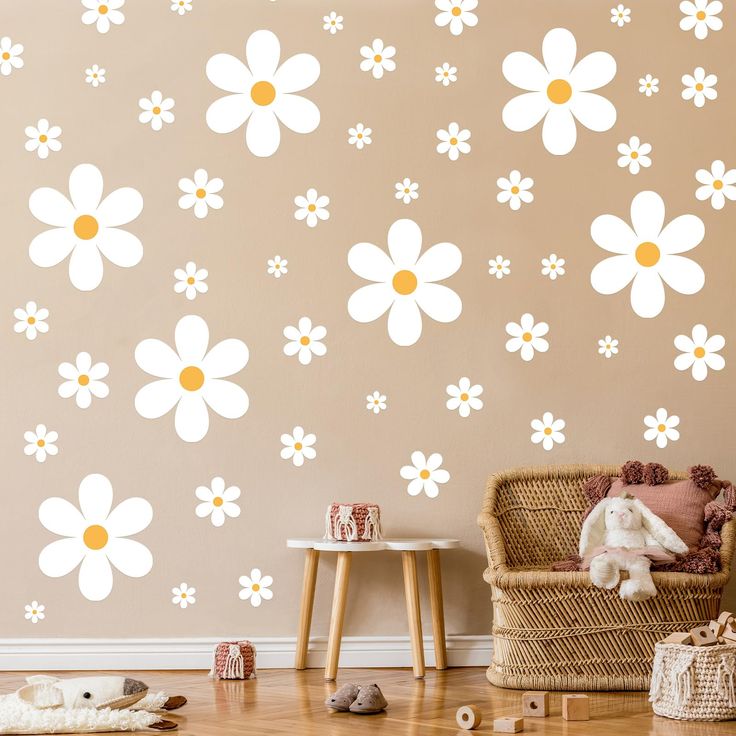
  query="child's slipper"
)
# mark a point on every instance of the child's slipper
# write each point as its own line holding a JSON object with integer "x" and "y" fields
{"x": 174, "y": 702}
{"x": 370, "y": 700}
{"x": 343, "y": 698}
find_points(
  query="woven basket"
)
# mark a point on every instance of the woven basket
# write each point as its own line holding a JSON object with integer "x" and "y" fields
{"x": 694, "y": 683}
{"x": 555, "y": 630}
{"x": 234, "y": 660}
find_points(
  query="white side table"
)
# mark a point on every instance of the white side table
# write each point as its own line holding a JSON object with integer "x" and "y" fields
{"x": 408, "y": 549}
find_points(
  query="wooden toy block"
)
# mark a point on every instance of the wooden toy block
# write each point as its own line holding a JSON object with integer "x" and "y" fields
{"x": 576, "y": 707}
{"x": 717, "y": 628}
{"x": 509, "y": 724}
{"x": 703, "y": 636}
{"x": 729, "y": 635}
{"x": 468, "y": 717}
{"x": 726, "y": 618}
{"x": 679, "y": 637}
{"x": 535, "y": 704}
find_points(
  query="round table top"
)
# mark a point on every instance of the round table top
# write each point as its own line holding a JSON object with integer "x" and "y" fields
{"x": 396, "y": 545}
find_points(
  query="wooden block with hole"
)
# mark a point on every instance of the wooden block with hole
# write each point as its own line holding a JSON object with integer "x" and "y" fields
{"x": 468, "y": 717}
{"x": 535, "y": 704}
{"x": 576, "y": 707}
{"x": 703, "y": 637}
{"x": 726, "y": 618}
{"x": 679, "y": 637}
{"x": 716, "y": 627}
{"x": 508, "y": 724}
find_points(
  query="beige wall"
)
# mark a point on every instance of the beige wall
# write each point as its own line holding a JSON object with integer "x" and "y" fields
{"x": 359, "y": 454}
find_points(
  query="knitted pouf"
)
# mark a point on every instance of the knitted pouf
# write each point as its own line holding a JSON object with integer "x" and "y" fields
{"x": 234, "y": 660}
{"x": 353, "y": 522}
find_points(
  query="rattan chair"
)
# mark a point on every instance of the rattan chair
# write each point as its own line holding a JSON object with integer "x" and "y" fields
{"x": 555, "y": 630}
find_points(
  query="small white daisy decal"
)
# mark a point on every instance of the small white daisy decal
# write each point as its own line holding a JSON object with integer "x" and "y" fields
{"x": 255, "y": 587}
{"x": 457, "y": 14}
{"x": 464, "y": 397}
{"x": 553, "y": 266}
{"x": 360, "y": 136}
{"x": 277, "y": 266}
{"x": 298, "y": 446}
{"x": 183, "y": 595}
{"x": 620, "y": 15}
{"x": 699, "y": 352}
{"x": 608, "y": 346}
{"x": 376, "y": 402}
{"x": 527, "y": 337}
{"x": 701, "y": 16}
{"x": 312, "y": 207}
{"x": 40, "y": 444}
{"x": 407, "y": 190}
{"x": 515, "y": 190}
{"x": 305, "y": 340}
{"x": 181, "y": 6}
{"x": 201, "y": 193}
{"x": 35, "y": 612}
{"x": 332, "y": 22}
{"x": 217, "y": 501}
{"x": 499, "y": 267}
{"x": 31, "y": 320}
{"x": 453, "y": 141}
{"x": 548, "y": 431}
{"x": 661, "y": 428}
{"x": 43, "y": 137}
{"x": 83, "y": 380}
{"x": 699, "y": 86}
{"x": 649, "y": 85}
{"x": 424, "y": 474}
{"x": 10, "y": 54}
{"x": 377, "y": 58}
{"x": 634, "y": 155}
{"x": 717, "y": 184}
{"x": 103, "y": 14}
{"x": 190, "y": 280}
{"x": 95, "y": 75}
{"x": 445, "y": 74}
{"x": 156, "y": 110}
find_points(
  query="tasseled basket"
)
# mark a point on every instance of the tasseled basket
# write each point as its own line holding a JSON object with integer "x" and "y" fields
{"x": 353, "y": 522}
{"x": 234, "y": 660}
{"x": 694, "y": 683}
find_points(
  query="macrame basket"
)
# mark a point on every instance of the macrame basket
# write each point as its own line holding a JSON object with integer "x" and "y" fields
{"x": 234, "y": 660}
{"x": 694, "y": 683}
{"x": 353, "y": 522}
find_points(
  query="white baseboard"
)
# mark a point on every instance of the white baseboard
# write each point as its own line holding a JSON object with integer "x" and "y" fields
{"x": 196, "y": 653}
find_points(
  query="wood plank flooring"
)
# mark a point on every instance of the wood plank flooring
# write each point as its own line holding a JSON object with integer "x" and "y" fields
{"x": 290, "y": 702}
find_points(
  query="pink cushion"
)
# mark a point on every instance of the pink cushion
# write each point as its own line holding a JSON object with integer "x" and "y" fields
{"x": 679, "y": 503}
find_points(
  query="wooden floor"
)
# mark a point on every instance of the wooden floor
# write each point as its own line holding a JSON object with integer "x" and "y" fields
{"x": 290, "y": 702}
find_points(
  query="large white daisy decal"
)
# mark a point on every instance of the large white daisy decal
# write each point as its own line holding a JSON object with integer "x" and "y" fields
{"x": 262, "y": 93}
{"x": 647, "y": 254}
{"x": 87, "y": 227}
{"x": 559, "y": 91}
{"x": 95, "y": 537}
{"x": 404, "y": 282}
{"x": 191, "y": 378}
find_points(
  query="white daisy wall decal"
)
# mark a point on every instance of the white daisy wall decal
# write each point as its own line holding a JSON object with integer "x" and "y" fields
{"x": 34, "y": 612}
{"x": 103, "y": 14}
{"x": 95, "y": 537}
{"x": 424, "y": 474}
{"x": 332, "y": 22}
{"x": 305, "y": 340}
{"x": 31, "y": 320}
{"x": 312, "y": 208}
{"x": 217, "y": 501}
{"x": 608, "y": 346}
{"x": 262, "y": 93}
{"x": 701, "y": 16}
{"x": 191, "y": 280}
{"x": 83, "y": 380}
{"x": 648, "y": 85}
{"x": 191, "y": 378}
{"x": 445, "y": 74}
{"x": 499, "y": 267}
{"x": 527, "y": 337}
{"x": 10, "y": 56}
{"x": 647, "y": 254}
{"x": 95, "y": 75}
{"x": 661, "y": 428}
{"x": 699, "y": 87}
{"x": 464, "y": 396}
{"x": 298, "y": 446}
{"x": 360, "y": 136}
{"x": 717, "y": 185}
{"x": 516, "y": 190}
{"x": 634, "y": 155}
{"x": 255, "y": 587}
{"x": 456, "y": 14}
{"x": 201, "y": 193}
{"x": 181, "y": 7}
{"x": 376, "y": 402}
{"x": 620, "y": 15}
{"x": 87, "y": 227}
{"x": 156, "y": 110}
{"x": 378, "y": 58}
{"x": 700, "y": 352}
{"x": 548, "y": 431}
{"x": 183, "y": 595}
{"x": 404, "y": 282}
{"x": 41, "y": 443}
{"x": 407, "y": 190}
{"x": 453, "y": 141}
{"x": 277, "y": 266}
{"x": 43, "y": 138}
{"x": 553, "y": 267}
{"x": 559, "y": 91}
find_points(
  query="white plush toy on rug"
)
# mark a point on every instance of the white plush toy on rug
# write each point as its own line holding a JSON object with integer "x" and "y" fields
{"x": 621, "y": 533}
{"x": 84, "y": 705}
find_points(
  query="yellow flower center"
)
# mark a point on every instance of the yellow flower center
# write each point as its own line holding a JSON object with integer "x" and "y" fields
{"x": 332, "y": 22}
{"x": 424, "y": 474}
{"x": 648, "y": 84}
{"x": 446, "y": 74}
{"x": 661, "y": 427}
{"x": 499, "y": 267}
{"x": 456, "y": 11}
{"x": 548, "y": 430}
{"x": 83, "y": 379}
{"x": 559, "y": 91}
{"x": 6, "y": 55}
{"x": 263, "y": 93}
{"x": 377, "y": 58}
{"x": 43, "y": 138}
{"x": 514, "y": 190}
{"x": 553, "y": 266}
{"x": 304, "y": 340}
{"x": 376, "y": 402}
{"x": 298, "y": 446}
{"x": 404, "y": 282}
{"x": 217, "y": 501}
{"x": 95, "y": 536}
{"x": 647, "y": 254}
{"x": 527, "y": 337}
{"x": 699, "y": 87}
{"x": 634, "y": 155}
{"x": 608, "y": 346}
{"x": 201, "y": 193}
{"x": 41, "y": 443}
{"x": 277, "y": 265}
{"x": 700, "y": 15}
{"x": 360, "y": 135}
{"x": 31, "y": 320}
{"x": 255, "y": 587}
{"x": 464, "y": 397}
{"x": 191, "y": 378}
{"x": 312, "y": 207}
{"x": 34, "y": 611}
{"x": 156, "y": 110}
{"x": 181, "y": 2}
{"x": 699, "y": 352}
{"x": 94, "y": 76}
{"x": 406, "y": 190}
{"x": 102, "y": 9}
{"x": 86, "y": 227}
{"x": 190, "y": 280}
{"x": 717, "y": 184}
{"x": 453, "y": 141}
{"x": 183, "y": 596}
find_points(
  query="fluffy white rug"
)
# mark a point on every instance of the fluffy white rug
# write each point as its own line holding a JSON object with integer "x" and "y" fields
{"x": 17, "y": 717}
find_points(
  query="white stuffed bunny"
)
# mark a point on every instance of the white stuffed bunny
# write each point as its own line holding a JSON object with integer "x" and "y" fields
{"x": 623, "y": 534}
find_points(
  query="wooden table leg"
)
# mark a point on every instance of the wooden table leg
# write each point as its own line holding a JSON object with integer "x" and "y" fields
{"x": 438, "y": 611}
{"x": 339, "y": 598}
{"x": 413, "y": 612}
{"x": 311, "y": 563}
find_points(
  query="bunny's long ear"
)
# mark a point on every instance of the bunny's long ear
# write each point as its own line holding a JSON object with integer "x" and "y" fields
{"x": 659, "y": 531}
{"x": 42, "y": 694}
{"x": 594, "y": 528}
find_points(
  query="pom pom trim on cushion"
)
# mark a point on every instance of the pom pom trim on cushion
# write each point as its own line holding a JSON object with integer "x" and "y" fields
{"x": 632, "y": 472}
{"x": 702, "y": 475}
{"x": 655, "y": 474}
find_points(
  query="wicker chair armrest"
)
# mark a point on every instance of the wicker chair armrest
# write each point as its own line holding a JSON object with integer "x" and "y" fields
{"x": 493, "y": 535}
{"x": 728, "y": 542}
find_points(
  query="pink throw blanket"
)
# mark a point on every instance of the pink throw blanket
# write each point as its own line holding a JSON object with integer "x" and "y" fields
{"x": 658, "y": 555}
